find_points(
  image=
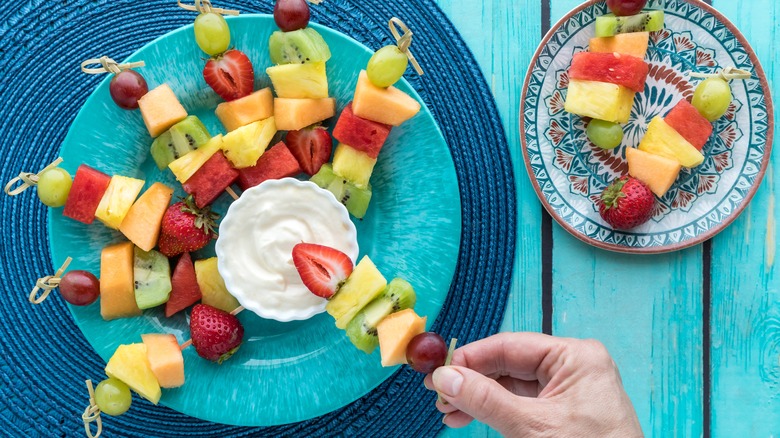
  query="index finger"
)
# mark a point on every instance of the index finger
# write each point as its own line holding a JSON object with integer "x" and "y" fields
{"x": 526, "y": 356}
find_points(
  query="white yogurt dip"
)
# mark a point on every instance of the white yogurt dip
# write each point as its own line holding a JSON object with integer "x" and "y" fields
{"x": 256, "y": 238}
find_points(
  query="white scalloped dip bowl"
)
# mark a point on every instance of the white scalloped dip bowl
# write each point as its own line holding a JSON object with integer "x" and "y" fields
{"x": 256, "y": 238}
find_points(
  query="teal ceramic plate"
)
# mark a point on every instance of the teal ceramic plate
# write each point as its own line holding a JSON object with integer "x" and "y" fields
{"x": 569, "y": 173}
{"x": 284, "y": 372}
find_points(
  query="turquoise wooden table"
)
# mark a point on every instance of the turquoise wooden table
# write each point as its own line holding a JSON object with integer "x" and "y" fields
{"x": 695, "y": 333}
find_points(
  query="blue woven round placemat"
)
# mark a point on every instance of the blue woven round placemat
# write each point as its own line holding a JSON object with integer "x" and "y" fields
{"x": 44, "y": 358}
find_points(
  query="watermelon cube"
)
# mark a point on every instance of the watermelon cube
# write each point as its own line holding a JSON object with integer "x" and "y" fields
{"x": 363, "y": 135}
{"x": 689, "y": 123}
{"x": 628, "y": 71}
{"x": 184, "y": 286}
{"x": 210, "y": 180}
{"x": 276, "y": 163}
{"x": 89, "y": 186}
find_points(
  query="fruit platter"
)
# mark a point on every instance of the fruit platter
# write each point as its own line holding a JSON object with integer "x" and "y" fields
{"x": 150, "y": 167}
{"x": 648, "y": 125}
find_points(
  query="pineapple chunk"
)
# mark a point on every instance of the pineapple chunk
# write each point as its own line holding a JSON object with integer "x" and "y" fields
{"x": 354, "y": 165}
{"x": 212, "y": 286}
{"x": 363, "y": 285}
{"x": 186, "y": 166}
{"x": 299, "y": 81}
{"x": 130, "y": 364}
{"x": 241, "y": 112}
{"x": 659, "y": 173}
{"x": 117, "y": 200}
{"x": 661, "y": 139}
{"x": 394, "y": 333}
{"x": 244, "y": 146}
{"x": 599, "y": 100}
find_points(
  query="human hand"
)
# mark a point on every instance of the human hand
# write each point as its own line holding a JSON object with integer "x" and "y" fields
{"x": 535, "y": 385}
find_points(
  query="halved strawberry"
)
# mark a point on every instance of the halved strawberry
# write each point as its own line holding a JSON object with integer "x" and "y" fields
{"x": 230, "y": 75}
{"x": 311, "y": 147}
{"x": 323, "y": 269}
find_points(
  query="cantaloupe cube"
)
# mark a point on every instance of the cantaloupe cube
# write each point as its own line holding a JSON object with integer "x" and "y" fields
{"x": 659, "y": 173}
{"x": 354, "y": 165}
{"x": 661, "y": 139}
{"x": 241, "y": 112}
{"x": 130, "y": 364}
{"x": 244, "y": 146}
{"x": 117, "y": 291}
{"x": 299, "y": 81}
{"x": 160, "y": 109}
{"x": 599, "y": 100}
{"x": 394, "y": 333}
{"x": 165, "y": 359}
{"x": 390, "y": 105}
{"x": 118, "y": 200}
{"x": 634, "y": 44}
{"x": 212, "y": 286}
{"x": 186, "y": 166}
{"x": 295, "y": 114}
{"x": 363, "y": 285}
{"x": 142, "y": 223}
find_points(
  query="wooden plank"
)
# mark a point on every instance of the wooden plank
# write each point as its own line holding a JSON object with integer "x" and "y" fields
{"x": 745, "y": 329}
{"x": 503, "y": 35}
{"x": 646, "y": 309}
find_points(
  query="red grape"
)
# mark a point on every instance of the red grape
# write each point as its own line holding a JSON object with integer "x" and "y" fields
{"x": 291, "y": 15}
{"x": 626, "y": 7}
{"x": 126, "y": 88}
{"x": 426, "y": 352}
{"x": 79, "y": 288}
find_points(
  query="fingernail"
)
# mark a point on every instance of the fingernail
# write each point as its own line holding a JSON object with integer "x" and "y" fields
{"x": 427, "y": 385}
{"x": 448, "y": 381}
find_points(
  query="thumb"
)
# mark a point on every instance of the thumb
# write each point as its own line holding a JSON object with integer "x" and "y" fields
{"x": 481, "y": 397}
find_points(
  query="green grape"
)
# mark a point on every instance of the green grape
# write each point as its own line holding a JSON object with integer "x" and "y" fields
{"x": 212, "y": 33}
{"x": 387, "y": 66}
{"x": 113, "y": 397}
{"x": 606, "y": 135}
{"x": 712, "y": 98}
{"x": 54, "y": 186}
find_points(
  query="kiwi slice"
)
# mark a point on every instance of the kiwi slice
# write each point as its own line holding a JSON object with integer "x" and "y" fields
{"x": 354, "y": 198}
{"x": 609, "y": 25}
{"x": 298, "y": 47}
{"x": 182, "y": 138}
{"x": 398, "y": 295}
{"x": 152, "y": 275}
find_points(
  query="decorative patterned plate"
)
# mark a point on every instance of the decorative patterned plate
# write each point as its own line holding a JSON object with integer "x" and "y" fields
{"x": 284, "y": 372}
{"x": 569, "y": 173}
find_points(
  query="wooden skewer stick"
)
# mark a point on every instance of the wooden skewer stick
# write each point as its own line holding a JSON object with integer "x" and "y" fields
{"x": 48, "y": 284}
{"x": 447, "y": 362}
{"x": 231, "y": 192}
{"x": 92, "y": 413}
{"x": 27, "y": 179}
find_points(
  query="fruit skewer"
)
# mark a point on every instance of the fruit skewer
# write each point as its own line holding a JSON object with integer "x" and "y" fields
{"x": 670, "y": 143}
{"x": 371, "y": 311}
{"x": 365, "y": 124}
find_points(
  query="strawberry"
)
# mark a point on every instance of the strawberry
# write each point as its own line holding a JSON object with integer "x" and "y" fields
{"x": 311, "y": 147}
{"x": 184, "y": 287}
{"x": 230, "y": 75}
{"x": 215, "y": 333}
{"x": 626, "y": 203}
{"x": 186, "y": 228}
{"x": 322, "y": 269}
